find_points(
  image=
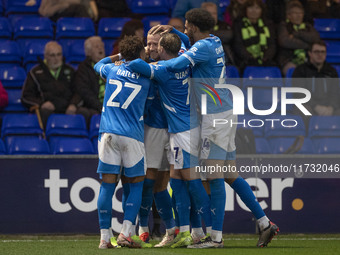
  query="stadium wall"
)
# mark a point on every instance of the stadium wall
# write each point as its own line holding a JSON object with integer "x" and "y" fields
{"x": 58, "y": 194}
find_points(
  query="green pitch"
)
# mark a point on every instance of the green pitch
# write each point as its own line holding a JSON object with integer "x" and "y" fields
{"x": 234, "y": 244}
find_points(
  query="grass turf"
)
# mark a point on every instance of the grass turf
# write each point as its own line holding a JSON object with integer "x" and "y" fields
{"x": 234, "y": 244}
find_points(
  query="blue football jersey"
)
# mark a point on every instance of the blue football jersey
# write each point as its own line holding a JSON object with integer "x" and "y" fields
{"x": 126, "y": 93}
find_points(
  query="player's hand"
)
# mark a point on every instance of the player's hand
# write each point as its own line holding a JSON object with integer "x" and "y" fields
{"x": 164, "y": 28}
{"x": 118, "y": 63}
{"x": 71, "y": 109}
{"x": 48, "y": 105}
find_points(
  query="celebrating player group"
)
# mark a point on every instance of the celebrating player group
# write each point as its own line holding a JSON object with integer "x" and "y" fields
{"x": 153, "y": 132}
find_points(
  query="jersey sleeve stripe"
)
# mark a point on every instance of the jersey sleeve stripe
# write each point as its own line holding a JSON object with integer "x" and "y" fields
{"x": 189, "y": 58}
{"x": 152, "y": 72}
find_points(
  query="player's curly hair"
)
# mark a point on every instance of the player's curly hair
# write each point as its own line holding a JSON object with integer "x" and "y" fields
{"x": 201, "y": 19}
{"x": 130, "y": 47}
{"x": 171, "y": 43}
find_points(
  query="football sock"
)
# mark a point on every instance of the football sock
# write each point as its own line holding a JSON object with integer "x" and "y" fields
{"x": 127, "y": 228}
{"x": 195, "y": 217}
{"x": 164, "y": 208}
{"x": 173, "y": 203}
{"x": 105, "y": 235}
{"x": 104, "y": 204}
{"x": 216, "y": 235}
{"x": 263, "y": 222}
{"x": 147, "y": 199}
{"x": 201, "y": 200}
{"x": 197, "y": 232}
{"x": 133, "y": 201}
{"x": 180, "y": 190}
{"x": 218, "y": 200}
{"x": 243, "y": 189}
{"x": 126, "y": 192}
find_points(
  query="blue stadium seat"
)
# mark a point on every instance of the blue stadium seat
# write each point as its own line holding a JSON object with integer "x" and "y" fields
{"x": 288, "y": 78}
{"x": 150, "y": 6}
{"x": 33, "y": 27}
{"x": 94, "y": 126}
{"x": 328, "y": 28}
{"x": 71, "y": 145}
{"x": 76, "y": 52}
{"x": 5, "y": 28}
{"x": 74, "y": 28}
{"x": 282, "y": 144}
{"x": 66, "y": 44}
{"x": 111, "y": 27}
{"x": 33, "y": 50}
{"x": 333, "y": 52}
{"x": 18, "y": 6}
{"x": 27, "y": 146}
{"x": 10, "y": 52}
{"x": 223, "y": 5}
{"x": 151, "y": 21}
{"x": 233, "y": 76}
{"x": 262, "y": 98}
{"x": 14, "y": 102}
{"x": 337, "y": 67}
{"x": 324, "y": 126}
{"x": 172, "y": 4}
{"x": 275, "y": 129}
{"x": 255, "y": 121}
{"x": 12, "y": 77}
{"x": 327, "y": 145}
{"x": 95, "y": 145}
{"x": 262, "y": 146}
{"x": 66, "y": 125}
{"x": 20, "y": 124}
{"x": 2, "y": 148}
{"x": 108, "y": 44}
{"x": 262, "y": 76}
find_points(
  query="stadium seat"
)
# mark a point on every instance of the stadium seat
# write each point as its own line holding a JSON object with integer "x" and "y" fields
{"x": 27, "y": 145}
{"x": 33, "y": 50}
{"x": 282, "y": 144}
{"x": 333, "y": 52}
{"x": 5, "y": 29}
{"x": 150, "y": 6}
{"x": 172, "y": 4}
{"x": 71, "y": 145}
{"x": 328, "y": 28}
{"x": 109, "y": 28}
{"x": 108, "y": 44}
{"x": 327, "y": 145}
{"x": 20, "y": 124}
{"x": 66, "y": 44}
{"x": 18, "y": 6}
{"x": 2, "y": 148}
{"x": 33, "y": 27}
{"x": 276, "y": 129}
{"x": 262, "y": 76}
{"x": 14, "y": 102}
{"x": 223, "y": 5}
{"x": 76, "y": 52}
{"x": 10, "y": 53}
{"x": 74, "y": 28}
{"x": 288, "y": 78}
{"x": 94, "y": 126}
{"x": 262, "y": 146}
{"x": 233, "y": 76}
{"x": 151, "y": 21}
{"x": 12, "y": 77}
{"x": 324, "y": 126}
{"x": 337, "y": 67}
{"x": 66, "y": 125}
{"x": 262, "y": 98}
{"x": 255, "y": 121}
{"x": 95, "y": 145}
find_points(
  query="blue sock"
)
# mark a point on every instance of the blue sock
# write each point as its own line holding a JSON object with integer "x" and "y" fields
{"x": 201, "y": 200}
{"x": 180, "y": 190}
{"x": 133, "y": 201}
{"x": 243, "y": 189}
{"x": 126, "y": 192}
{"x": 218, "y": 199}
{"x": 173, "y": 203}
{"x": 147, "y": 199}
{"x": 164, "y": 208}
{"x": 104, "y": 204}
{"x": 195, "y": 217}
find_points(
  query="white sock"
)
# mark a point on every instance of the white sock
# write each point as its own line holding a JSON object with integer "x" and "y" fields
{"x": 143, "y": 230}
{"x": 105, "y": 235}
{"x": 263, "y": 222}
{"x": 208, "y": 229}
{"x": 184, "y": 228}
{"x": 216, "y": 235}
{"x": 197, "y": 232}
{"x": 170, "y": 231}
{"x": 133, "y": 230}
{"x": 127, "y": 228}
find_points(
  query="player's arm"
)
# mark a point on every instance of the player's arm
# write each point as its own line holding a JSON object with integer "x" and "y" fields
{"x": 102, "y": 67}
{"x": 140, "y": 66}
{"x": 184, "y": 38}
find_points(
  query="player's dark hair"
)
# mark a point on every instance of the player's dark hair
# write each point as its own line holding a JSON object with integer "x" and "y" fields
{"x": 201, "y": 19}
{"x": 171, "y": 43}
{"x": 130, "y": 47}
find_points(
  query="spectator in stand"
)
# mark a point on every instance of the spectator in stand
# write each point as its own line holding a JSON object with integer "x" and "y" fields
{"x": 112, "y": 8}
{"x": 322, "y": 81}
{"x": 324, "y": 9}
{"x": 221, "y": 30}
{"x": 132, "y": 27}
{"x": 294, "y": 37}
{"x": 90, "y": 86}
{"x": 233, "y": 11}
{"x": 254, "y": 37}
{"x": 49, "y": 85}
{"x": 55, "y": 9}
{"x": 3, "y": 100}
{"x": 276, "y": 9}
{"x": 177, "y": 23}
{"x": 182, "y": 6}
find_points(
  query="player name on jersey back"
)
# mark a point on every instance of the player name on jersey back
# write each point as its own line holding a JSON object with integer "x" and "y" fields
{"x": 128, "y": 74}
